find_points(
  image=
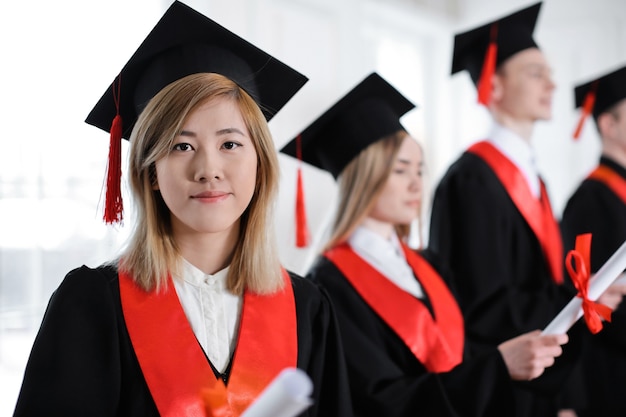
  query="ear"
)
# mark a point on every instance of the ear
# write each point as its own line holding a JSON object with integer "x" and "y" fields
{"x": 606, "y": 124}
{"x": 497, "y": 87}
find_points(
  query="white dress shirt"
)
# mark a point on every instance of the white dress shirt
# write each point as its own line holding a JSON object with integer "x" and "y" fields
{"x": 519, "y": 152}
{"x": 212, "y": 311}
{"x": 386, "y": 257}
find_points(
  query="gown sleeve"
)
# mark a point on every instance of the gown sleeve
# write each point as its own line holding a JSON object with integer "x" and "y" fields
{"x": 74, "y": 368}
{"x": 320, "y": 350}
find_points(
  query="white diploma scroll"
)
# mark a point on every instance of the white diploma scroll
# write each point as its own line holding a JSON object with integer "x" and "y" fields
{"x": 606, "y": 275}
{"x": 286, "y": 396}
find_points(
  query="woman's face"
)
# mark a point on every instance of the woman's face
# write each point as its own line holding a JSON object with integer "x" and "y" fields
{"x": 400, "y": 199}
{"x": 208, "y": 178}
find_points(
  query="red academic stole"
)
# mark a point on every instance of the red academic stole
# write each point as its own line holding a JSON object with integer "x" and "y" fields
{"x": 611, "y": 179}
{"x": 436, "y": 342}
{"x": 537, "y": 213}
{"x": 174, "y": 364}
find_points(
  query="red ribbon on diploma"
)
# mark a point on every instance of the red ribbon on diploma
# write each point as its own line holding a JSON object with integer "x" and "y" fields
{"x": 592, "y": 311}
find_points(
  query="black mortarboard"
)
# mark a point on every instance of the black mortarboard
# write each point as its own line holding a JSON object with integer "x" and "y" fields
{"x": 609, "y": 89}
{"x": 512, "y": 34}
{"x": 185, "y": 42}
{"x": 597, "y": 96}
{"x": 182, "y": 43}
{"x": 366, "y": 114}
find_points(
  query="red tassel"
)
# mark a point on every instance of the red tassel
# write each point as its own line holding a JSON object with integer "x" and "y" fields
{"x": 302, "y": 229}
{"x": 489, "y": 68}
{"x": 590, "y": 100}
{"x": 113, "y": 206}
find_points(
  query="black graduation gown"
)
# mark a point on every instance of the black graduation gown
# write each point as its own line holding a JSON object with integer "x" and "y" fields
{"x": 386, "y": 379}
{"x": 82, "y": 362}
{"x": 499, "y": 272}
{"x": 594, "y": 208}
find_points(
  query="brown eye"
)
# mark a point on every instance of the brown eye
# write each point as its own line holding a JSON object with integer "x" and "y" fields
{"x": 184, "y": 147}
{"x": 230, "y": 145}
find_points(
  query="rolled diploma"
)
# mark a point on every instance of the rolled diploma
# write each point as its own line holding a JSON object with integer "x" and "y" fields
{"x": 606, "y": 275}
{"x": 286, "y": 396}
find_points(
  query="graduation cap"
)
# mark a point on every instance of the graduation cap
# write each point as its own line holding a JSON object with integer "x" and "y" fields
{"x": 366, "y": 114}
{"x": 182, "y": 43}
{"x": 481, "y": 50}
{"x": 599, "y": 95}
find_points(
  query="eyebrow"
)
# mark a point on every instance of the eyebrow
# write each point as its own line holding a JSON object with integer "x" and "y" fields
{"x": 407, "y": 162}
{"x": 403, "y": 161}
{"x": 220, "y": 132}
{"x": 537, "y": 65}
{"x": 229, "y": 130}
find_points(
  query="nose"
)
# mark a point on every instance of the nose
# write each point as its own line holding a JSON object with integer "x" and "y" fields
{"x": 416, "y": 182}
{"x": 207, "y": 166}
{"x": 550, "y": 82}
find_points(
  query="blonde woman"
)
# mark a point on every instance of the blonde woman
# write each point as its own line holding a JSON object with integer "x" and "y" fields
{"x": 402, "y": 329}
{"x": 198, "y": 297}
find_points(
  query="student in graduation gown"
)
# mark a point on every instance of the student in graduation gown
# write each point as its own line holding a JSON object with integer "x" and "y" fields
{"x": 401, "y": 326}
{"x": 491, "y": 216}
{"x": 598, "y": 206}
{"x": 198, "y": 296}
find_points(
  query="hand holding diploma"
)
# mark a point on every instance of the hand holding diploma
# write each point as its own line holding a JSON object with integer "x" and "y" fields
{"x": 613, "y": 295}
{"x": 528, "y": 355}
{"x": 590, "y": 288}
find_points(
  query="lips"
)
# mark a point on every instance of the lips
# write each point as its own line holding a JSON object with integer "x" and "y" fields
{"x": 210, "y": 196}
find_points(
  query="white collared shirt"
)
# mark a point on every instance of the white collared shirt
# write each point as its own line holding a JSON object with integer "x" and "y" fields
{"x": 519, "y": 152}
{"x": 212, "y": 311}
{"x": 386, "y": 257}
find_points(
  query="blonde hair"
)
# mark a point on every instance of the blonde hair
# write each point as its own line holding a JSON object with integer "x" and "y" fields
{"x": 151, "y": 253}
{"x": 360, "y": 184}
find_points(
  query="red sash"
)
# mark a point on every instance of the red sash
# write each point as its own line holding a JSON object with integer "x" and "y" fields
{"x": 173, "y": 363}
{"x": 611, "y": 179}
{"x": 537, "y": 213}
{"x": 436, "y": 342}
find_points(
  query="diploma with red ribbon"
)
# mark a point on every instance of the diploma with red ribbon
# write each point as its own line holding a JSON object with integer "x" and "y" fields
{"x": 592, "y": 311}
{"x": 589, "y": 287}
